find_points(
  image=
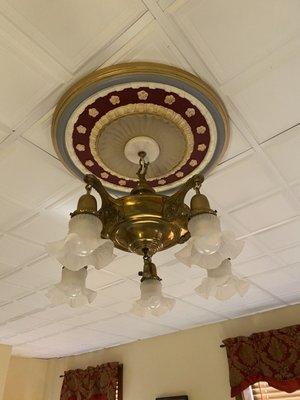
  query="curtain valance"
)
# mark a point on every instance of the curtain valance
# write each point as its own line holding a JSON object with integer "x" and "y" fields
{"x": 272, "y": 356}
{"x": 103, "y": 382}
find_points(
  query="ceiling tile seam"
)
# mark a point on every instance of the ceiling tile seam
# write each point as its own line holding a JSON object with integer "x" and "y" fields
{"x": 278, "y": 269}
{"x": 217, "y": 314}
{"x": 25, "y": 44}
{"x": 272, "y": 60}
{"x": 139, "y": 20}
{"x": 129, "y": 25}
{"x": 248, "y": 133}
{"x": 238, "y": 227}
{"x": 272, "y": 226}
{"x": 171, "y": 26}
{"x": 255, "y": 200}
{"x": 50, "y": 102}
{"x": 278, "y": 134}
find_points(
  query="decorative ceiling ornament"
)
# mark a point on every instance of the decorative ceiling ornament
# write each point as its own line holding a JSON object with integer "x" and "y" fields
{"x": 99, "y": 115}
{"x": 112, "y": 129}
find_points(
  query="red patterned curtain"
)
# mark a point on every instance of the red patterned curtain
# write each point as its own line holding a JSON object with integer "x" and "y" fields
{"x": 272, "y": 356}
{"x": 103, "y": 382}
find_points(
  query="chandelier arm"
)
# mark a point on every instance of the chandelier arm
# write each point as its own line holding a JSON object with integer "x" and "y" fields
{"x": 174, "y": 204}
{"x": 96, "y": 184}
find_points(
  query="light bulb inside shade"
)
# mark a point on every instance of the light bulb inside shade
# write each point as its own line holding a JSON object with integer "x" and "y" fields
{"x": 84, "y": 234}
{"x": 205, "y": 231}
{"x": 71, "y": 289}
{"x": 229, "y": 248}
{"x": 221, "y": 283}
{"x": 152, "y": 300}
{"x": 99, "y": 258}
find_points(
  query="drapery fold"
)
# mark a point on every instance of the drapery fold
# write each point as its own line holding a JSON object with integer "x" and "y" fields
{"x": 102, "y": 382}
{"x": 272, "y": 356}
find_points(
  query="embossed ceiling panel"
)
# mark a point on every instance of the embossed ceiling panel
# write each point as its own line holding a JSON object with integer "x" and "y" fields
{"x": 249, "y": 54}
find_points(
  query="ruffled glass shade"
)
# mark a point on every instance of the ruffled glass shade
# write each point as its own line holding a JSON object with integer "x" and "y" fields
{"x": 152, "y": 300}
{"x": 72, "y": 289}
{"x": 205, "y": 230}
{"x": 221, "y": 283}
{"x": 83, "y": 245}
{"x": 229, "y": 248}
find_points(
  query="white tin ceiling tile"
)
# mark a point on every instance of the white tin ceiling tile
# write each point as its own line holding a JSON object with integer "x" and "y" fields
{"x": 237, "y": 143}
{"x": 265, "y": 212}
{"x": 40, "y": 134}
{"x": 283, "y": 150}
{"x": 88, "y": 318}
{"x": 123, "y": 291}
{"x": 146, "y": 47}
{"x": 257, "y": 266}
{"x": 239, "y": 182}
{"x": 282, "y": 236}
{"x": 185, "y": 315}
{"x": 15, "y": 251}
{"x": 24, "y": 82}
{"x": 5, "y": 268}
{"x": 125, "y": 265}
{"x": 250, "y": 251}
{"x": 284, "y": 283}
{"x": 12, "y": 213}
{"x": 254, "y": 300}
{"x": 26, "y": 324}
{"x": 183, "y": 289}
{"x": 290, "y": 255}
{"x": 231, "y": 36}
{"x": 47, "y": 267}
{"x": 73, "y": 34}
{"x": 31, "y": 176}
{"x": 9, "y": 291}
{"x": 43, "y": 228}
{"x": 99, "y": 279}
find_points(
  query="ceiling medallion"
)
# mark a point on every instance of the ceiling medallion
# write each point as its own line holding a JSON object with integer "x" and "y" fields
{"x": 142, "y": 128}
{"x": 98, "y": 116}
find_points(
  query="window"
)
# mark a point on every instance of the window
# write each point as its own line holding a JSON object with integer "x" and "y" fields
{"x": 262, "y": 391}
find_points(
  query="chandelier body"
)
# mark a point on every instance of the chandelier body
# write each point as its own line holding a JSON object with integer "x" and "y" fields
{"x": 124, "y": 117}
{"x": 144, "y": 219}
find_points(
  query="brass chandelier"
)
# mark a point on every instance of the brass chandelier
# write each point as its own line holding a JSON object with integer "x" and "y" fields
{"x": 143, "y": 221}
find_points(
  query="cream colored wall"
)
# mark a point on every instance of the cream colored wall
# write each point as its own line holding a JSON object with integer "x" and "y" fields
{"x": 188, "y": 362}
{"x": 26, "y": 379}
{"x": 5, "y": 353}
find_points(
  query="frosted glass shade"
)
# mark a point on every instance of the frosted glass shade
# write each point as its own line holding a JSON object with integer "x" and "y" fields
{"x": 229, "y": 248}
{"x": 152, "y": 300}
{"x": 99, "y": 258}
{"x": 84, "y": 234}
{"x": 205, "y": 230}
{"x": 72, "y": 289}
{"x": 221, "y": 283}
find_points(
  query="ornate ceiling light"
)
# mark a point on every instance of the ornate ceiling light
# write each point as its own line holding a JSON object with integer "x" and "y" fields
{"x": 114, "y": 128}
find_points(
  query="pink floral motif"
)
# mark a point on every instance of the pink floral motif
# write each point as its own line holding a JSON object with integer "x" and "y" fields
{"x": 202, "y": 147}
{"x": 104, "y": 175}
{"x": 122, "y": 182}
{"x": 190, "y": 112}
{"x": 169, "y": 99}
{"x": 81, "y": 129}
{"x": 80, "y": 147}
{"x": 201, "y": 129}
{"x": 162, "y": 181}
{"x": 179, "y": 174}
{"x": 142, "y": 95}
{"x": 114, "y": 100}
{"x": 89, "y": 163}
{"x": 93, "y": 112}
{"x": 193, "y": 163}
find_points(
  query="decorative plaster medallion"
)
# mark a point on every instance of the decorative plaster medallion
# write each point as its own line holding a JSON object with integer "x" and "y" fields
{"x": 101, "y": 113}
